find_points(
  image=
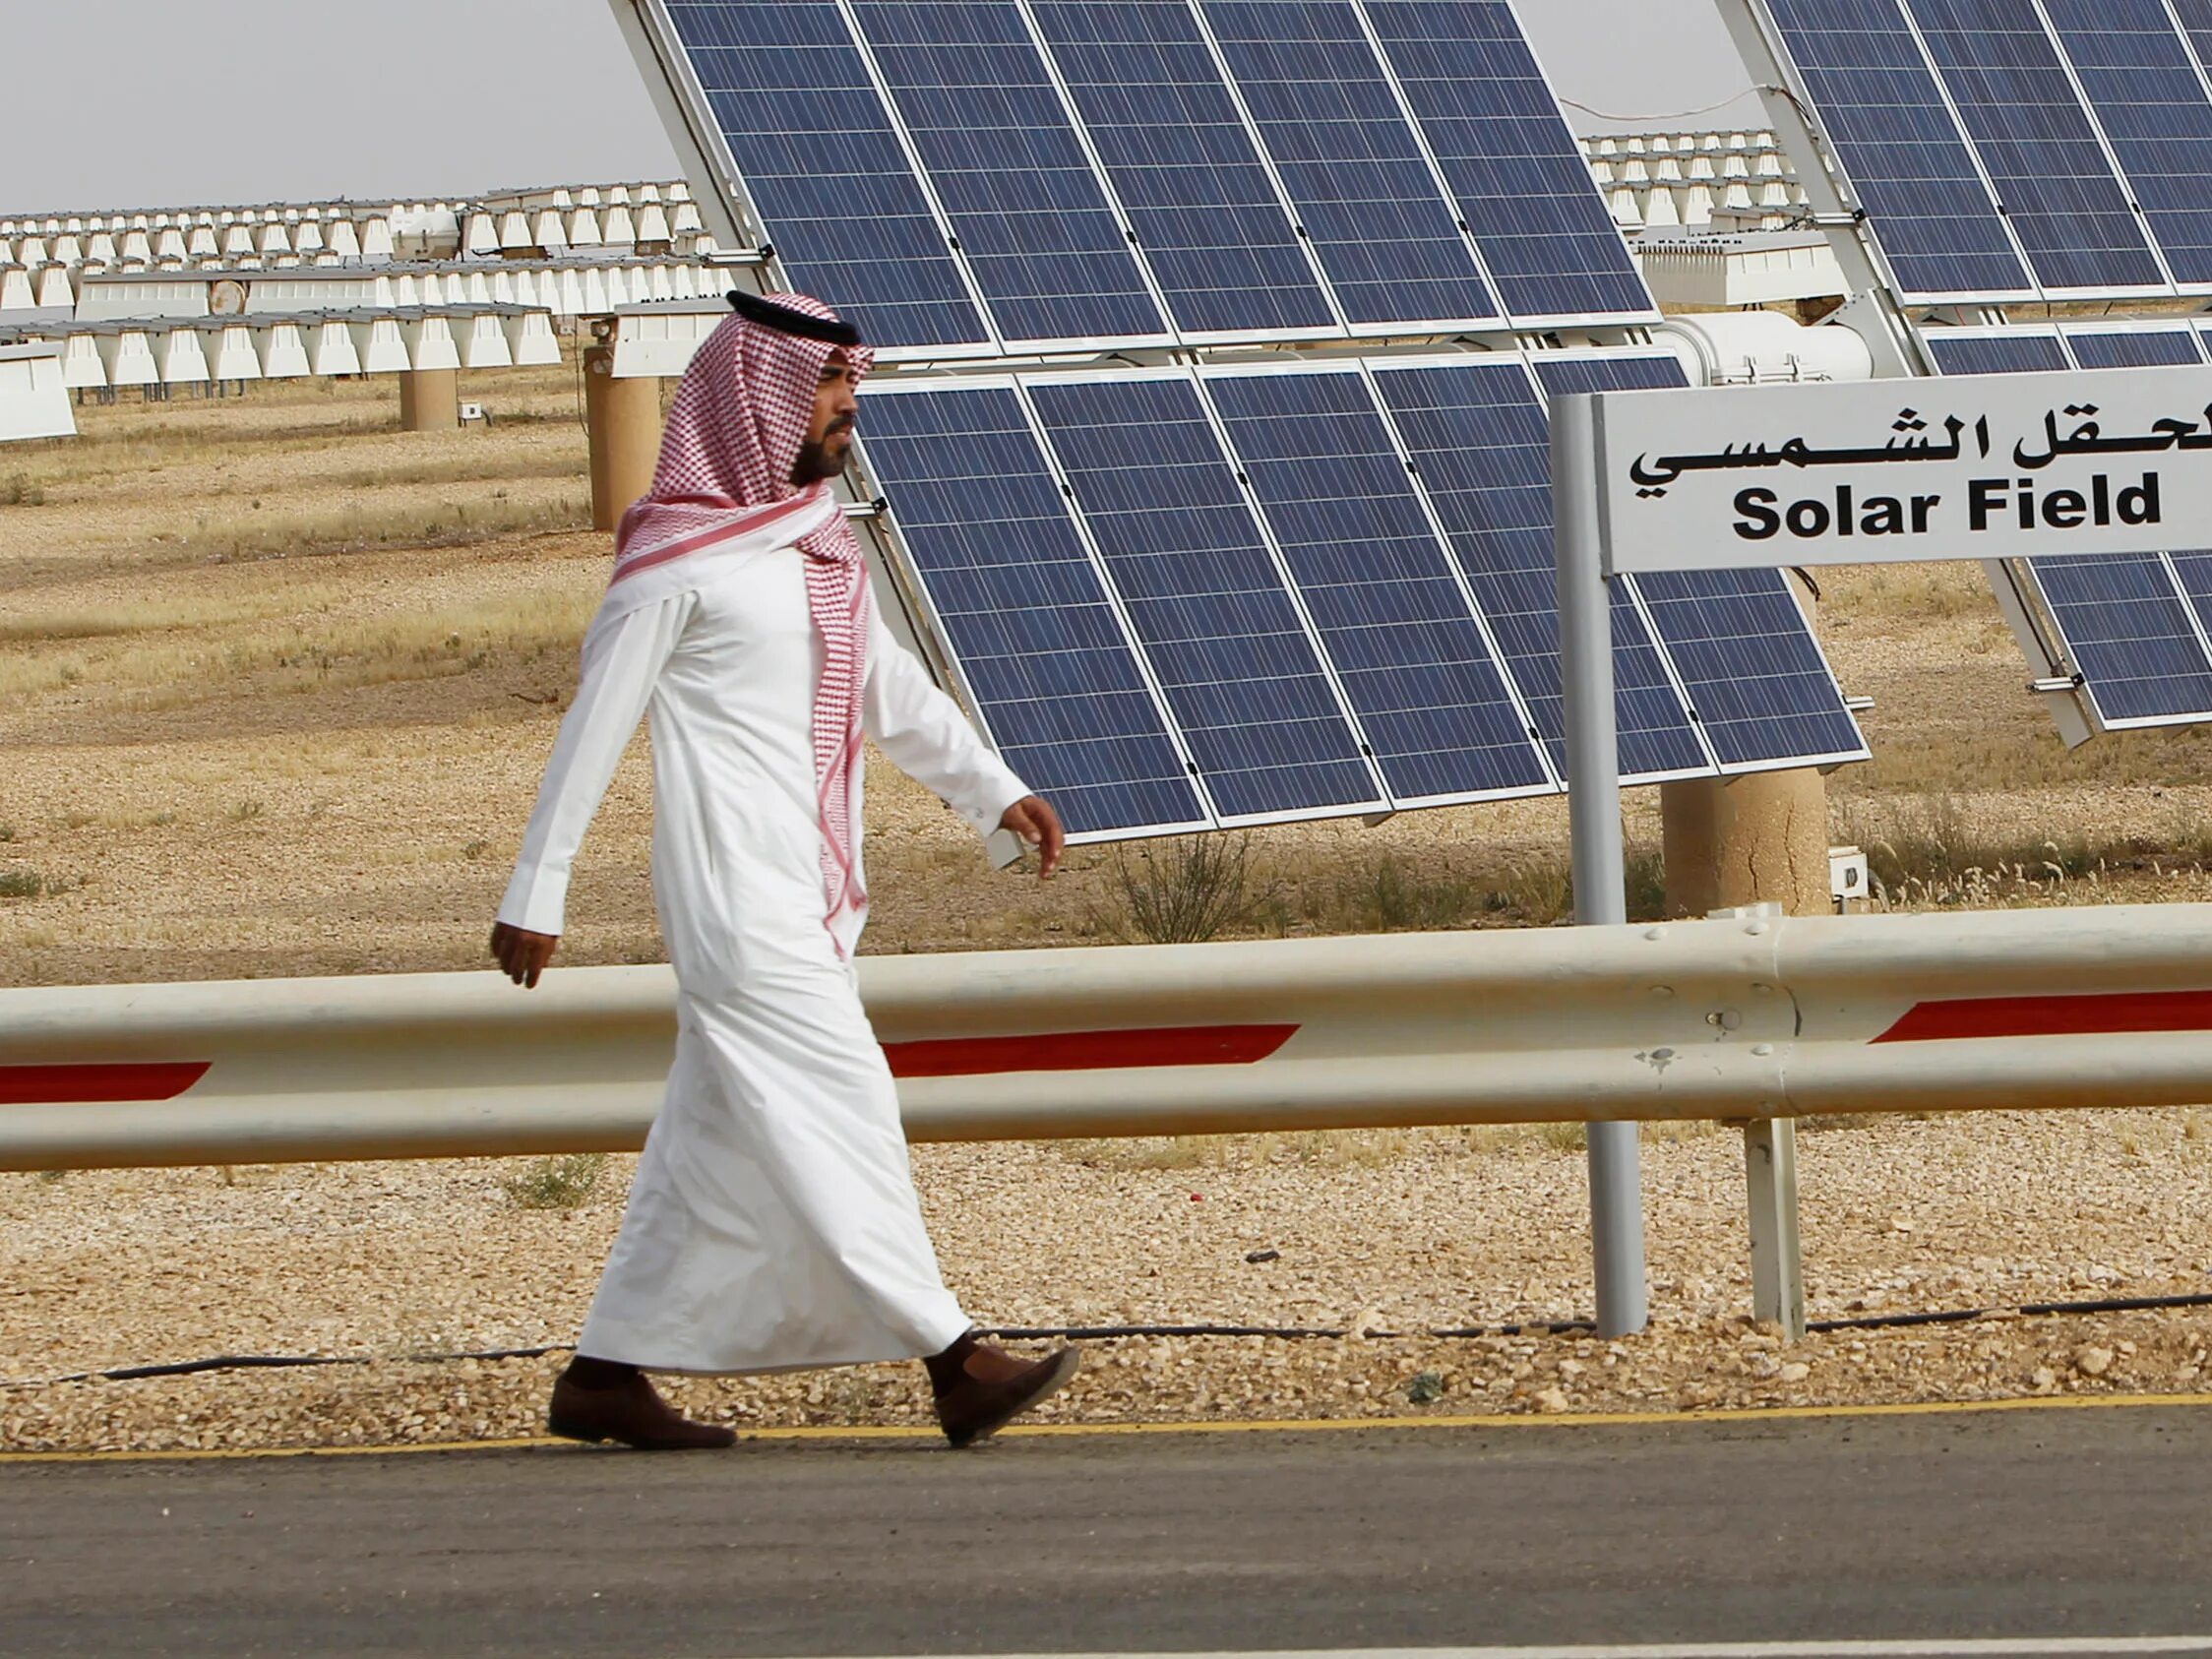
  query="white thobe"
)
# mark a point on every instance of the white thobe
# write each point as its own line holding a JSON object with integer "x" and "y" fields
{"x": 773, "y": 1223}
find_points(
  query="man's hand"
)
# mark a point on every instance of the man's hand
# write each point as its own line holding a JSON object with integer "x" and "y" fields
{"x": 522, "y": 956}
{"x": 1039, "y": 825}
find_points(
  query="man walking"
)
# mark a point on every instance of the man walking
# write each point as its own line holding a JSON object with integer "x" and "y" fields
{"x": 773, "y": 1224}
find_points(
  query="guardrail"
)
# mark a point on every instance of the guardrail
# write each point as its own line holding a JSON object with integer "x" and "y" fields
{"x": 1753, "y": 1019}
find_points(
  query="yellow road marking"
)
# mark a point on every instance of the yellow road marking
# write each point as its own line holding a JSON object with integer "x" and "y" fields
{"x": 1262, "y": 1426}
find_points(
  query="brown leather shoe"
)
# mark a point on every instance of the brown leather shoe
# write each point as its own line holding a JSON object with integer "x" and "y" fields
{"x": 980, "y": 1390}
{"x": 633, "y": 1412}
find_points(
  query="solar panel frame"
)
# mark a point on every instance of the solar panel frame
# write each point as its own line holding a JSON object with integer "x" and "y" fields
{"x": 1964, "y": 191}
{"x": 1060, "y": 55}
{"x": 1543, "y": 777}
{"x": 1239, "y": 503}
{"x": 1662, "y": 597}
{"x": 693, "y": 108}
{"x": 919, "y": 593}
{"x": 928, "y": 143}
{"x": 1208, "y": 15}
{"x": 1466, "y": 178}
{"x": 1990, "y": 54}
{"x": 2153, "y": 107}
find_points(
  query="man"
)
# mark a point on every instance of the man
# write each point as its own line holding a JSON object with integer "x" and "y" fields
{"x": 773, "y": 1224}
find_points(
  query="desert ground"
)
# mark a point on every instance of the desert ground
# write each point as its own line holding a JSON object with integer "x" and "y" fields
{"x": 275, "y": 684}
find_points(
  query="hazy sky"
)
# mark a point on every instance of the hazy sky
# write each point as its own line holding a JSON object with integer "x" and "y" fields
{"x": 252, "y": 100}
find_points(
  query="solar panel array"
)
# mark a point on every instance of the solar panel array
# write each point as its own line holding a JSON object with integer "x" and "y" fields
{"x": 2133, "y": 626}
{"x": 1227, "y": 592}
{"x": 2018, "y": 150}
{"x": 972, "y": 175}
{"x": 1232, "y": 595}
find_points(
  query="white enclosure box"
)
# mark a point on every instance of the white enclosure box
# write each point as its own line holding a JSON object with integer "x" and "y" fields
{"x": 33, "y": 401}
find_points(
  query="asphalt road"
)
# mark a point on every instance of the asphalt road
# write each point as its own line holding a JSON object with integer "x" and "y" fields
{"x": 2027, "y": 1524}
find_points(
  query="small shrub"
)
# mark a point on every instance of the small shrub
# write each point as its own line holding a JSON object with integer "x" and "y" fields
{"x": 1184, "y": 890}
{"x": 22, "y": 883}
{"x": 557, "y": 1183}
{"x": 1426, "y": 1387}
{"x": 1563, "y": 1138}
{"x": 1392, "y": 896}
{"x": 18, "y": 491}
{"x": 6, "y": 832}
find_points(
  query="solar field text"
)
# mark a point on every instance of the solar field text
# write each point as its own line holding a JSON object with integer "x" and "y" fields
{"x": 2001, "y": 504}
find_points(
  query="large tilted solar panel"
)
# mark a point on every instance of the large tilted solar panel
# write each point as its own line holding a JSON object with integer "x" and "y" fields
{"x": 1755, "y": 678}
{"x": 1331, "y": 582}
{"x": 2016, "y": 149}
{"x": 967, "y": 176}
{"x": 2131, "y": 625}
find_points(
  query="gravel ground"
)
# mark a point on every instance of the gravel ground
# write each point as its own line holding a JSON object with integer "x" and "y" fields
{"x": 352, "y": 806}
{"x": 1382, "y": 1232}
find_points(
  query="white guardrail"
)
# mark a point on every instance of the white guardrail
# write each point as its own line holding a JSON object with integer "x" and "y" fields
{"x": 1752, "y": 1018}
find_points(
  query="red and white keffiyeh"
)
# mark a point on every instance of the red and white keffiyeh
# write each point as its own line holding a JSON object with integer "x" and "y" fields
{"x": 738, "y": 423}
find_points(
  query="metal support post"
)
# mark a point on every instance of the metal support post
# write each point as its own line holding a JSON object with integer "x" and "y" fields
{"x": 1777, "y": 1264}
{"x": 1593, "y": 761}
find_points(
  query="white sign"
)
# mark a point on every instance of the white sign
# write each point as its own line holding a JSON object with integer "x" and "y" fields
{"x": 1987, "y": 466}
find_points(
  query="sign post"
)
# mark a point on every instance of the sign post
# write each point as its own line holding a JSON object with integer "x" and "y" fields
{"x": 1877, "y": 472}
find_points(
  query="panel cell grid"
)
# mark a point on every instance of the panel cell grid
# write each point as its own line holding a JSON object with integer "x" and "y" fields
{"x": 1520, "y": 180}
{"x": 1379, "y": 586}
{"x": 1022, "y": 609}
{"x": 1033, "y": 222}
{"x": 1754, "y": 675}
{"x": 792, "y": 98}
{"x": 1901, "y": 149}
{"x": 1232, "y": 655}
{"x": 1365, "y": 194}
{"x": 1483, "y": 447}
{"x": 1206, "y": 214}
{"x": 2142, "y": 83}
{"x": 2035, "y": 139}
{"x": 1995, "y": 354}
{"x": 2133, "y": 348}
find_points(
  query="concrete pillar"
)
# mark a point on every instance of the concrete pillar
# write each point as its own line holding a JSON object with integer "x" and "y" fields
{"x": 430, "y": 401}
{"x": 624, "y": 420}
{"x": 1745, "y": 840}
{"x": 1738, "y": 841}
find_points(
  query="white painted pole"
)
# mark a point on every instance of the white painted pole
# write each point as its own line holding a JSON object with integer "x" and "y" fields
{"x": 1593, "y": 764}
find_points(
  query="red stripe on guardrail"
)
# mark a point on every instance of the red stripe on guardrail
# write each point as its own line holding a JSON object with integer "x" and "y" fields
{"x": 71, "y": 1085}
{"x": 2080, "y": 1016}
{"x": 1087, "y": 1051}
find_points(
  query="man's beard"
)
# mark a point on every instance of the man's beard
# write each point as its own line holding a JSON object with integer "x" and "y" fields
{"x": 814, "y": 464}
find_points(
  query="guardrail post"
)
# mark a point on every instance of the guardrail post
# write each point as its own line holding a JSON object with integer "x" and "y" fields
{"x": 1593, "y": 759}
{"x": 1777, "y": 1264}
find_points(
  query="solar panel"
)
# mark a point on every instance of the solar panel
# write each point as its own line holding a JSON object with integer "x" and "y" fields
{"x": 1021, "y": 608}
{"x": 1520, "y": 180}
{"x": 2196, "y": 26}
{"x": 1379, "y": 585}
{"x": 1033, "y": 220}
{"x": 2126, "y": 624}
{"x": 2144, "y": 88}
{"x": 1205, "y": 212}
{"x": 2036, "y": 141}
{"x": 1366, "y": 195}
{"x": 1758, "y": 683}
{"x": 1902, "y": 151}
{"x": 792, "y": 98}
{"x": 1957, "y": 353}
{"x": 1208, "y": 604}
{"x": 1482, "y": 445}
{"x": 2133, "y": 348}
